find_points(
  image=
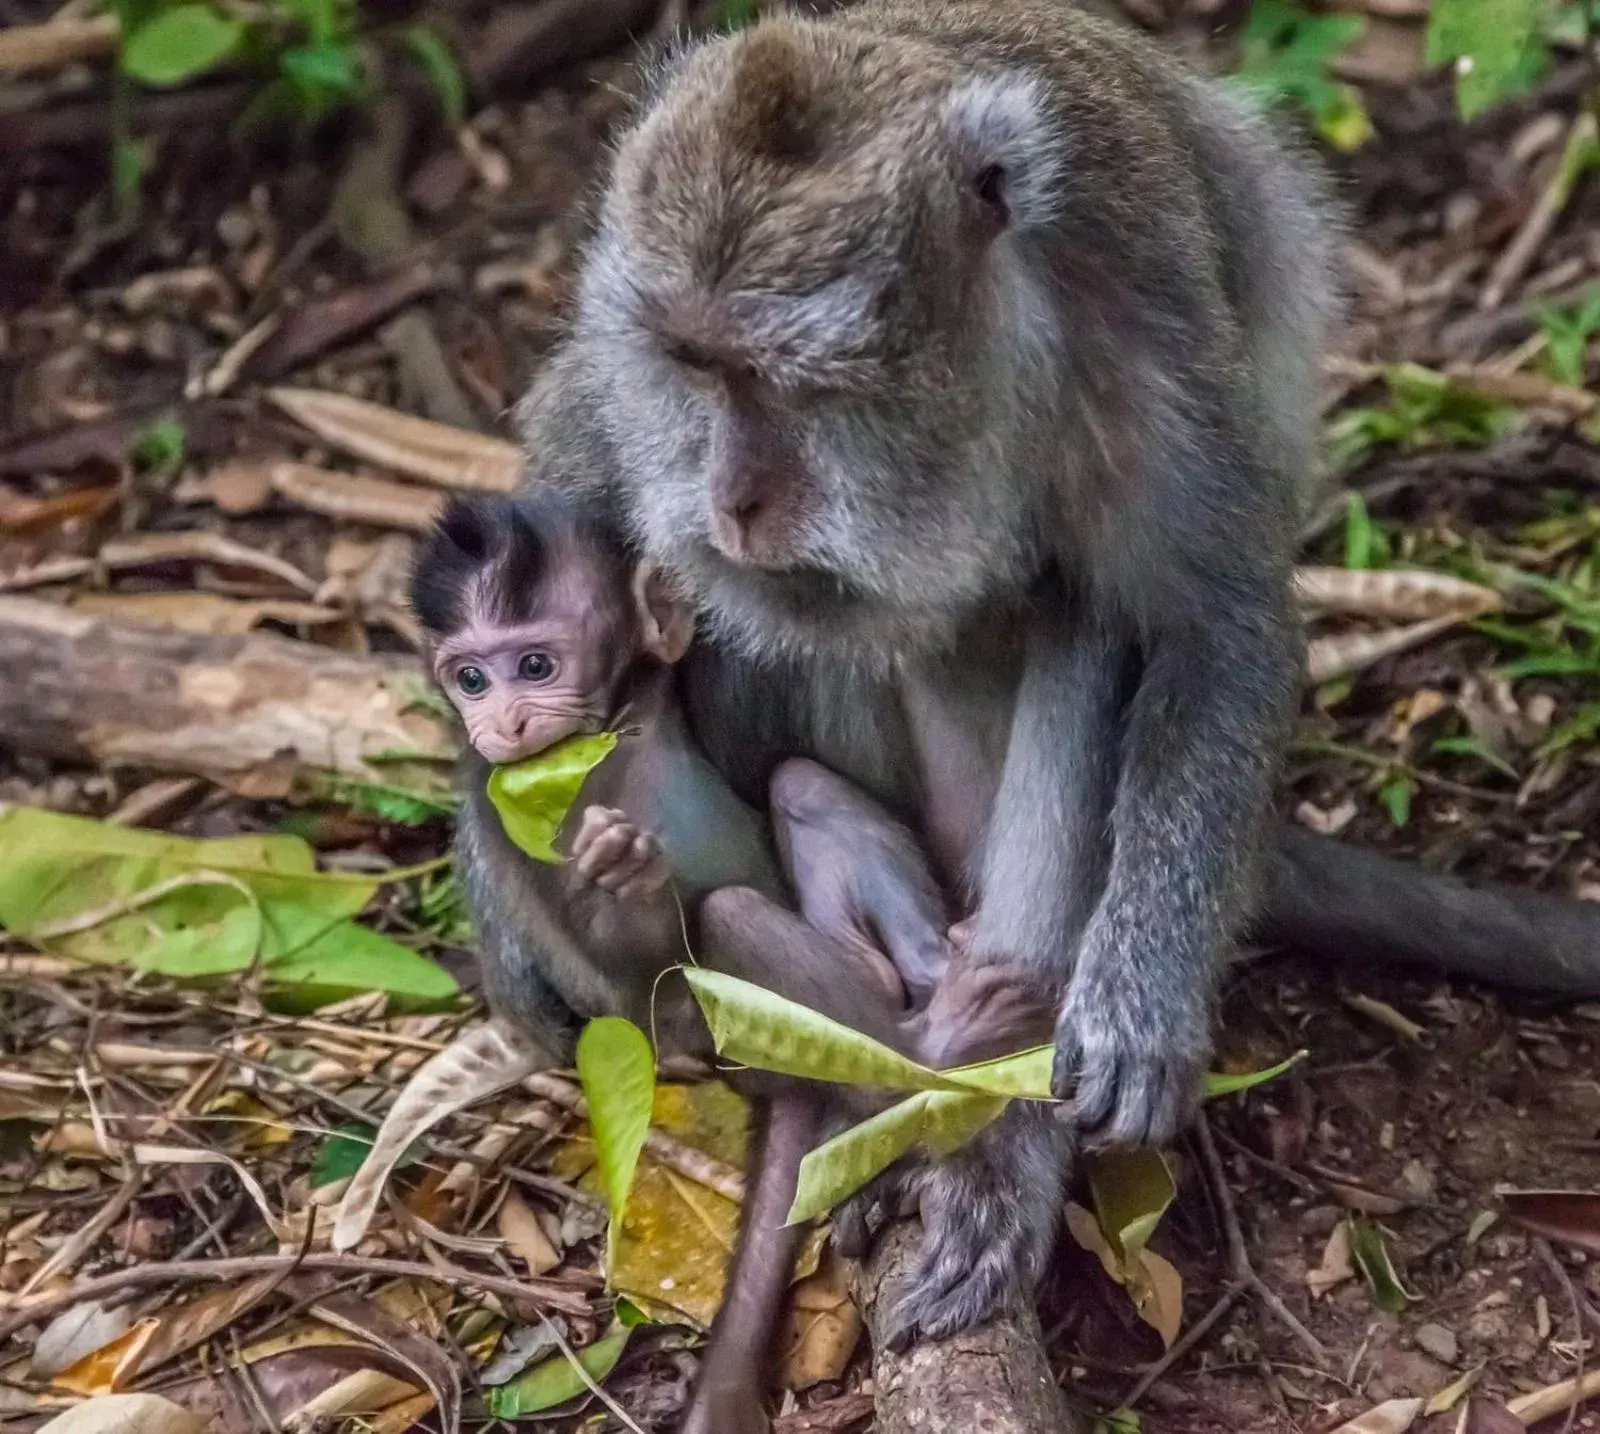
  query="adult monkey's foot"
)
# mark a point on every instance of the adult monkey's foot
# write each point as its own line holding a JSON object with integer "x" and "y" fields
{"x": 989, "y": 1216}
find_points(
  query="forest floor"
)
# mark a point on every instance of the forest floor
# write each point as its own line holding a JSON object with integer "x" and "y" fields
{"x": 426, "y": 270}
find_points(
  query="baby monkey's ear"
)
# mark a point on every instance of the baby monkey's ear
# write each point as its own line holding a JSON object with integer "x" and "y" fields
{"x": 666, "y": 625}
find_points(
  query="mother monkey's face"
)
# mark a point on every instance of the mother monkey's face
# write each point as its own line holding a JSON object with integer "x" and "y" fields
{"x": 808, "y": 325}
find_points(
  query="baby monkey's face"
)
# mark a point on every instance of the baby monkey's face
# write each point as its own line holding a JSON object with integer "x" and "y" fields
{"x": 521, "y": 687}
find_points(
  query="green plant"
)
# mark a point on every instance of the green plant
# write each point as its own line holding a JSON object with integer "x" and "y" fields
{"x": 1286, "y": 53}
{"x": 1500, "y": 48}
{"x": 313, "y": 55}
{"x": 1425, "y": 409}
{"x": 1567, "y": 332}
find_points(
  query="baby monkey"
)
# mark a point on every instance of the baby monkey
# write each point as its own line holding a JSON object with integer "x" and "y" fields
{"x": 540, "y": 626}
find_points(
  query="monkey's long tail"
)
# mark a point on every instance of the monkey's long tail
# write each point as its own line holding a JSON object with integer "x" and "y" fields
{"x": 1331, "y": 900}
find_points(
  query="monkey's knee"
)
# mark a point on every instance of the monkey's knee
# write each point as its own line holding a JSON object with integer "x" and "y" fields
{"x": 730, "y": 914}
{"x": 801, "y": 789}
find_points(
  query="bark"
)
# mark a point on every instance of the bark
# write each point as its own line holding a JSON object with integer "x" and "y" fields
{"x": 252, "y": 713}
{"x": 991, "y": 1380}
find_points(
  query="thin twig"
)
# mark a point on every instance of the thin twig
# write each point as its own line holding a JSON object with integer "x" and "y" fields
{"x": 1243, "y": 1269}
{"x": 1191, "y": 1337}
{"x": 1556, "y": 1268}
{"x": 559, "y": 1296}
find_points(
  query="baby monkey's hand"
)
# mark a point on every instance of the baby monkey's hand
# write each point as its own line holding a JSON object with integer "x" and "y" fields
{"x": 612, "y": 853}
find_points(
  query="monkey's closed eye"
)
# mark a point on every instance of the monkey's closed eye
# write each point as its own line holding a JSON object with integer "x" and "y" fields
{"x": 989, "y": 184}
{"x": 473, "y": 681}
{"x": 536, "y": 667}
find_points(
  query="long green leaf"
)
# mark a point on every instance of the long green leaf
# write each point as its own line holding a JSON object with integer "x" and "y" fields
{"x": 179, "y": 44}
{"x": 554, "y": 1381}
{"x": 534, "y": 796}
{"x": 756, "y": 1027}
{"x": 1218, "y": 1084}
{"x": 618, "y": 1071}
{"x": 939, "y": 1120}
{"x": 1132, "y": 1190}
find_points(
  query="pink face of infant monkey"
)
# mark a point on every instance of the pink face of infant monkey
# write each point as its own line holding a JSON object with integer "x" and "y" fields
{"x": 536, "y": 621}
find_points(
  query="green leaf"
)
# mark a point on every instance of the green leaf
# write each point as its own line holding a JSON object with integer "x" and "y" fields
{"x": 1287, "y": 53}
{"x": 346, "y": 1150}
{"x": 160, "y": 446}
{"x": 1395, "y": 795}
{"x": 757, "y": 1027}
{"x": 534, "y": 796}
{"x": 435, "y": 57}
{"x": 1372, "y": 1259}
{"x": 197, "y": 908}
{"x": 179, "y": 44}
{"x": 554, "y": 1381}
{"x": 1492, "y": 45}
{"x": 129, "y": 160}
{"x": 1132, "y": 1189}
{"x": 323, "y": 75}
{"x": 618, "y": 1071}
{"x": 1358, "y": 533}
{"x": 1218, "y": 1084}
{"x": 940, "y": 1121}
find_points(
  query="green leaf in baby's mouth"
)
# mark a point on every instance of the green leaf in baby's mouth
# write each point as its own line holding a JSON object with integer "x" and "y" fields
{"x": 533, "y": 796}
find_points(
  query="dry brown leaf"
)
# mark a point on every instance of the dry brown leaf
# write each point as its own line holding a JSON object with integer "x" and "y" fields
{"x": 74, "y": 1333}
{"x": 1157, "y": 1290}
{"x": 203, "y": 612}
{"x": 485, "y": 1060}
{"x": 1570, "y": 1217}
{"x": 1346, "y": 653}
{"x": 822, "y": 1328}
{"x": 1337, "y": 1265}
{"x": 520, "y": 1228}
{"x": 1555, "y": 1398}
{"x": 356, "y": 497}
{"x": 1393, "y": 1416}
{"x": 107, "y": 1369}
{"x": 234, "y": 488}
{"x": 182, "y": 1327}
{"x": 144, "y": 549}
{"x": 57, "y": 42}
{"x": 126, "y": 1414}
{"x": 1391, "y": 594}
{"x": 367, "y": 1391}
{"x": 434, "y": 452}
{"x": 21, "y": 515}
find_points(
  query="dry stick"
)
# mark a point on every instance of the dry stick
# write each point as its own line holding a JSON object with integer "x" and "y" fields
{"x": 1519, "y": 253}
{"x": 558, "y": 1296}
{"x": 1243, "y": 1269}
{"x": 1556, "y": 1268}
{"x": 1244, "y": 1278}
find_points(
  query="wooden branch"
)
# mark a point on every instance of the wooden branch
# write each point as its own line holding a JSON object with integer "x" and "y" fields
{"x": 994, "y": 1378}
{"x": 57, "y": 43}
{"x": 254, "y": 713}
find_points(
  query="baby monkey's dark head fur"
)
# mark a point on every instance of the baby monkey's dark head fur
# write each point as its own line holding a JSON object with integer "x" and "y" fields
{"x": 536, "y": 617}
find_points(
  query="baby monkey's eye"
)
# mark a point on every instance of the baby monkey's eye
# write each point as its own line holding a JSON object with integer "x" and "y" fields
{"x": 536, "y": 667}
{"x": 473, "y": 681}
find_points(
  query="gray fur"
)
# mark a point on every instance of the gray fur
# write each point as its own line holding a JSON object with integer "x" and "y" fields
{"x": 1092, "y": 427}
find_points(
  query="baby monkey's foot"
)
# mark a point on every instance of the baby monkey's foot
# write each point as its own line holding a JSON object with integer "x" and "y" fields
{"x": 612, "y": 853}
{"x": 979, "y": 1012}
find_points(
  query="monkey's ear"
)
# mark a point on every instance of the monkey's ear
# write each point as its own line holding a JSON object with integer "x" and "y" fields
{"x": 1007, "y": 145}
{"x": 666, "y": 625}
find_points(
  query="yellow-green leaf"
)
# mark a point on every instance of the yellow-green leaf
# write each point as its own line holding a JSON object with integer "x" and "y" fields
{"x": 1132, "y": 1190}
{"x": 756, "y": 1027}
{"x": 618, "y": 1072}
{"x": 939, "y": 1120}
{"x": 555, "y": 1381}
{"x": 534, "y": 796}
{"x": 1219, "y": 1084}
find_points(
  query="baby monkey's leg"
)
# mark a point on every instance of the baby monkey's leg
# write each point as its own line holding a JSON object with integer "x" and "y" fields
{"x": 860, "y": 877}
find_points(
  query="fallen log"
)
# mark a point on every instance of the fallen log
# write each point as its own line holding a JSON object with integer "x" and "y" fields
{"x": 261, "y": 715}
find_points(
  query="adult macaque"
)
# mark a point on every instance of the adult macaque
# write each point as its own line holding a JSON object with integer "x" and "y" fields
{"x": 540, "y": 627}
{"x": 956, "y": 356}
